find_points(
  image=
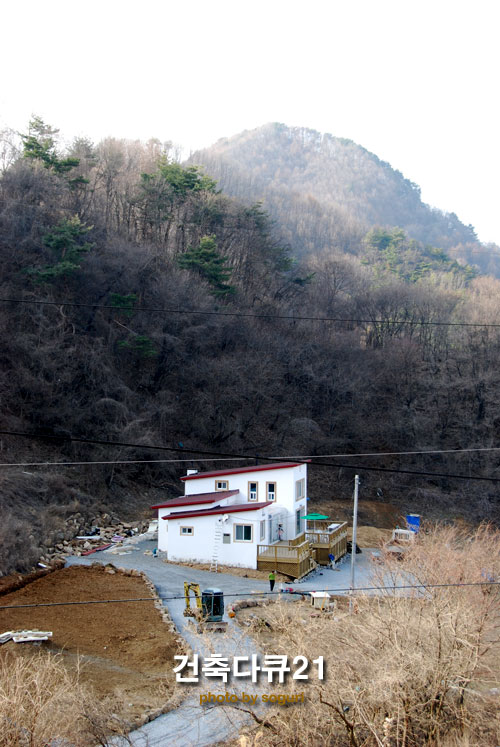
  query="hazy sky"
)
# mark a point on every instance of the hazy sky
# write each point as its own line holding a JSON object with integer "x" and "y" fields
{"x": 416, "y": 82}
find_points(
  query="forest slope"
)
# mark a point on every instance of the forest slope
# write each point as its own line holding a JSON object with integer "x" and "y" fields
{"x": 170, "y": 316}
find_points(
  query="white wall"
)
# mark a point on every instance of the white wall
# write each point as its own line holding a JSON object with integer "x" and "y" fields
{"x": 284, "y": 479}
{"x": 199, "y": 547}
{"x": 163, "y": 534}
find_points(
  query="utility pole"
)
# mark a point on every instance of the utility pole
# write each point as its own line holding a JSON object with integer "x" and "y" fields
{"x": 353, "y": 543}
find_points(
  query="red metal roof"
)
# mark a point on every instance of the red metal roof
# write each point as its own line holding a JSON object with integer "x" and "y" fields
{"x": 218, "y": 510}
{"x": 239, "y": 470}
{"x": 198, "y": 498}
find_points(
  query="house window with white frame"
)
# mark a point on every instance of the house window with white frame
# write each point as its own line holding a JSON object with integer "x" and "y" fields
{"x": 253, "y": 491}
{"x": 300, "y": 489}
{"x": 221, "y": 485}
{"x": 271, "y": 491}
{"x": 187, "y": 531}
{"x": 243, "y": 533}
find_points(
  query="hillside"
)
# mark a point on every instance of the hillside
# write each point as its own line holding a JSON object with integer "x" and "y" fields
{"x": 149, "y": 308}
{"x": 326, "y": 192}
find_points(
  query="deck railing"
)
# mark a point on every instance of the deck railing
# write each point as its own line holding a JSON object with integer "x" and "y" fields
{"x": 320, "y": 525}
{"x": 297, "y": 557}
{"x": 283, "y": 553}
{"x": 325, "y": 538}
{"x": 298, "y": 540}
{"x": 328, "y": 542}
{"x": 319, "y": 538}
{"x": 294, "y": 561}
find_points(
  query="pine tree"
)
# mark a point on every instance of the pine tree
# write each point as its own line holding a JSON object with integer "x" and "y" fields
{"x": 207, "y": 262}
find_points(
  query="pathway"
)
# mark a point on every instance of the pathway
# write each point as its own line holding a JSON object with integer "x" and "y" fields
{"x": 191, "y": 724}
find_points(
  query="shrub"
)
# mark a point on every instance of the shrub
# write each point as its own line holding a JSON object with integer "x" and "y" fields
{"x": 409, "y": 668}
{"x": 41, "y": 703}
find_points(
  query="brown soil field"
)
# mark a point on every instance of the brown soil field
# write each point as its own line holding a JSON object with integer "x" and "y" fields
{"x": 124, "y": 651}
{"x": 15, "y": 581}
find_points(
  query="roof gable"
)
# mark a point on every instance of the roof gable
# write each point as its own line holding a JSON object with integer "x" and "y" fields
{"x": 241, "y": 470}
{"x": 197, "y": 499}
{"x": 219, "y": 510}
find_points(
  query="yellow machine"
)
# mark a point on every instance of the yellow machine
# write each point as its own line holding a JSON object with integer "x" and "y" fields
{"x": 189, "y": 611}
{"x": 209, "y": 609}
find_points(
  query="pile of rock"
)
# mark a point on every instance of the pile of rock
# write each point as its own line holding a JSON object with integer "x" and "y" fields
{"x": 243, "y": 604}
{"x": 80, "y": 535}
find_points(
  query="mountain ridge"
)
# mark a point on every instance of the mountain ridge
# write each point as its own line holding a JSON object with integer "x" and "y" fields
{"x": 346, "y": 183}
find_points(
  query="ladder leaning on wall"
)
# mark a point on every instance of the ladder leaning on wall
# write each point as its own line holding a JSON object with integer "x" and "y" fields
{"x": 214, "y": 565}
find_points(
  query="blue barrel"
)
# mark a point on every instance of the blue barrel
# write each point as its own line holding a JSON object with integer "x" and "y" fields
{"x": 413, "y": 522}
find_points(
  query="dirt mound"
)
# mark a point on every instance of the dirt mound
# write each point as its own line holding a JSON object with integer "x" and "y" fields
{"x": 370, "y": 513}
{"x": 15, "y": 581}
{"x": 370, "y": 536}
{"x": 125, "y": 648}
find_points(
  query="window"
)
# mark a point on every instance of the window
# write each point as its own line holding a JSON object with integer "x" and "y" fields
{"x": 187, "y": 531}
{"x": 262, "y": 530}
{"x": 243, "y": 533}
{"x": 300, "y": 489}
{"x": 253, "y": 491}
{"x": 221, "y": 485}
{"x": 271, "y": 491}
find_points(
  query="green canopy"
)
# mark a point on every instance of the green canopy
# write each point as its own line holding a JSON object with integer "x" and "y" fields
{"x": 315, "y": 517}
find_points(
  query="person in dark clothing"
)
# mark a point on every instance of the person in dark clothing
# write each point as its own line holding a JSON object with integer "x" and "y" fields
{"x": 272, "y": 579}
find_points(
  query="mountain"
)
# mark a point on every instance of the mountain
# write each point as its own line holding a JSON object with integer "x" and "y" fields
{"x": 141, "y": 306}
{"x": 326, "y": 192}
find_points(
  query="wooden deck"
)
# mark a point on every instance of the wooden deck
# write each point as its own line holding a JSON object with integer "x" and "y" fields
{"x": 295, "y": 561}
{"x": 328, "y": 542}
{"x": 297, "y": 557}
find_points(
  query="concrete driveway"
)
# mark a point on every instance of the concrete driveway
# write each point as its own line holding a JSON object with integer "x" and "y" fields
{"x": 169, "y": 578}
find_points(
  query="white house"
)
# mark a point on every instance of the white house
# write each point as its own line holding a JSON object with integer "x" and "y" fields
{"x": 226, "y": 515}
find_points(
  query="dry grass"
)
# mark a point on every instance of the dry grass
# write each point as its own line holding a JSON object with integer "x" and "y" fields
{"x": 42, "y": 703}
{"x": 403, "y": 671}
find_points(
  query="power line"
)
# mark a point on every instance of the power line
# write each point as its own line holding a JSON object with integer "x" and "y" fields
{"x": 261, "y": 593}
{"x": 76, "y": 439}
{"x": 253, "y": 457}
{"x": 232, "y": 459}
{"x": 239, "y": 456}
{"x": 124, "y": 461}
{"x": 402, "y": 453}
{"x": 248, "y": 315}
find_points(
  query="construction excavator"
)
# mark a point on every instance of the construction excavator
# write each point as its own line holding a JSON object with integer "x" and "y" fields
{"x": 208, "y": 610}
